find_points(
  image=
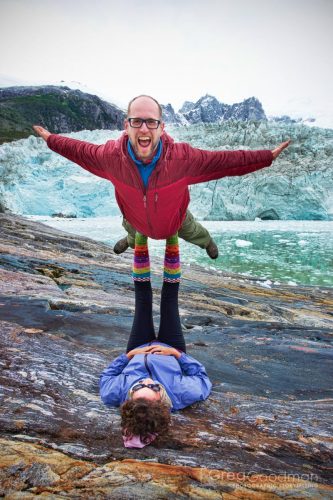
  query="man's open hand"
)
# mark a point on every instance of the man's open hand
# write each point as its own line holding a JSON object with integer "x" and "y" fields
{"x": 280, "y": 148}
{"x": 42, "y": 132}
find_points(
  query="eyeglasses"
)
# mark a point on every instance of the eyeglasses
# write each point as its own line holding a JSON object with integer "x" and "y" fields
{"x": 138, "y": 122}
{"x": 141, "y": 385}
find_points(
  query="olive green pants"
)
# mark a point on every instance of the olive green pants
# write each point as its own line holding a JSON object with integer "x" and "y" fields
{"x": 191, "y": 231}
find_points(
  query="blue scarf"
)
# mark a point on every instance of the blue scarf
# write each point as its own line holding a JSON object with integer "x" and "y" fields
{"x": 145, "y": 169}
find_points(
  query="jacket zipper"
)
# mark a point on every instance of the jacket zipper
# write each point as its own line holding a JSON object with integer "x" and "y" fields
{"x": 147, "y": 215}
{"x": 138, "y": 176}
{"x": 147, "y": 367}
{"x": 144, "y": 190}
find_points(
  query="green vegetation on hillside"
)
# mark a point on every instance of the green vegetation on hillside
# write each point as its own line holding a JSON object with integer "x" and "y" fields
{"x": 58, "y": 112}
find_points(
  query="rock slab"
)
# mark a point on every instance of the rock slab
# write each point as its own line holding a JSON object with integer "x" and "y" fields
{"x": 66, "y": 306}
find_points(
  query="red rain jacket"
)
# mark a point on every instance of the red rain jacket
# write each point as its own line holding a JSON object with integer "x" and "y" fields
{"x": 159, "y": 210}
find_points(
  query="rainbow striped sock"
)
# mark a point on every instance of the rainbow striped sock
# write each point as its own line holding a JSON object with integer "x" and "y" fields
{"x": 141, "y": 263}
{"x": 172, "y": 269}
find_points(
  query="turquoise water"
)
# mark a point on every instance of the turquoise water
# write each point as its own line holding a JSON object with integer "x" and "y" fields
{"x": 294, "y": 252}
{"x": 284, "y": 256}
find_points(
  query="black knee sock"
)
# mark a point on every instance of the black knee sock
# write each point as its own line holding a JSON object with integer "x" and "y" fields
{"x": 170, "y": 331}
{"x": 143, "y": 326}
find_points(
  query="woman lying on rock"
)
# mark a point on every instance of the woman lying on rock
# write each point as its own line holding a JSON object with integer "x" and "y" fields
{"x": 155, "y": 376}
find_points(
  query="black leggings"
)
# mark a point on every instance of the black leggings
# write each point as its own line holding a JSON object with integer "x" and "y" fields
{"x": 170, "y": 331}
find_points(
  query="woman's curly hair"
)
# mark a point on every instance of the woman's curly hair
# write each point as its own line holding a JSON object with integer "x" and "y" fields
{"x": 140, "y": 417}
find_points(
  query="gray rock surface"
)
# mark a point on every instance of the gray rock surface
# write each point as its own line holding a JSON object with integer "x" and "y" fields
{"x": 66, "y": 306}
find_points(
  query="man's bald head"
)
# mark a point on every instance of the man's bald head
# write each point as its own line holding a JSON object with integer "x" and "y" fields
{"x": 143, "y": 97}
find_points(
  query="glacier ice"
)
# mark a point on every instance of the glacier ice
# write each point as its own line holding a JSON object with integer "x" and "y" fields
{"x": 299, "y": 185}
{"x": 243, "y": 243}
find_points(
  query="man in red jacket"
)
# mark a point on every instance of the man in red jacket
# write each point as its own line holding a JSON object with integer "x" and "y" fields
{"x": 151, "y": 173}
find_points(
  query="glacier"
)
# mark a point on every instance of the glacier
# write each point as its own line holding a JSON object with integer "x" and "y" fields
{"x": 298, "y": 186}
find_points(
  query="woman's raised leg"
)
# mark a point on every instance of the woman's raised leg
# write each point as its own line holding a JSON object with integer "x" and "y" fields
{"x": 170, "y": 331}
{"x": 143, "y": 326}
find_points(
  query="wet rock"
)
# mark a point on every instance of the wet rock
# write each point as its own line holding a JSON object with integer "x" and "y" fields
{"x": 68, "y": 477}
{"x": 268, "y": 353}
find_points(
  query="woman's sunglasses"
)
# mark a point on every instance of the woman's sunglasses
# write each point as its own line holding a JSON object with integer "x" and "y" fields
{"x": 141, "y": 385}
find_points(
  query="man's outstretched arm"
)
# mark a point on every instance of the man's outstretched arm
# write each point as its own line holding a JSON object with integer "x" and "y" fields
{"x": 87, "y": 155}
{"x": 203, "y": 165}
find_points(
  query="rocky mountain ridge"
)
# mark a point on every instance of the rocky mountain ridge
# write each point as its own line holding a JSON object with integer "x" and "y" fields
{"x": 62, "y": 109}
{"x": 209, "y": 110}
{"x": 59, "y": 109}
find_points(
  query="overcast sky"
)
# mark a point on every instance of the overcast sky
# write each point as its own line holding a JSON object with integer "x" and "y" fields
{"x": 277, "y": 50}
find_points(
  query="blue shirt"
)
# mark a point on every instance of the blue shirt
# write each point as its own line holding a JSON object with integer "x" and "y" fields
{"x": 185, "y": 379}
{"x": 145, "y": 169}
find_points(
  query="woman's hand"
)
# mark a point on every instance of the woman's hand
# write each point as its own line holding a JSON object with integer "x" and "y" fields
{"x": 165, "y": 351}
{"x": 139, "y": 350}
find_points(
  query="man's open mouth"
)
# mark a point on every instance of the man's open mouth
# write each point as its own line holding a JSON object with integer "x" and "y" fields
{"x": 144, "y": 141}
